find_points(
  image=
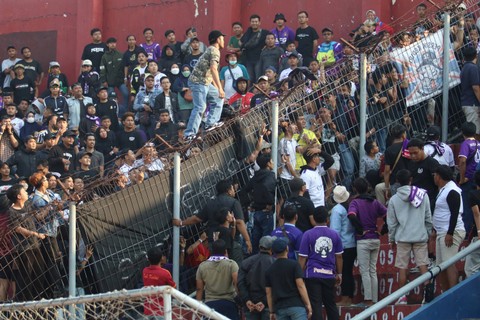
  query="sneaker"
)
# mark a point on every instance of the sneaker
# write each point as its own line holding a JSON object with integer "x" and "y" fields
{"x": 189, "y": 139}
{"x": 213, "y": 127}
{"x": 402, "y": 300}
{"x": 428, "y": 293}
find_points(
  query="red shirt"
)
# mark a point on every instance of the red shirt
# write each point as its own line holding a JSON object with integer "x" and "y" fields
{"x": 244, "y": 103}
{"x": 156, "y": 276}
{"x": 199, "y": 254}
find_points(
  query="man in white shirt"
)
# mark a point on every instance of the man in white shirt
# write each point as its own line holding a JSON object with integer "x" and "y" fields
{"x": 293, "y": 63}
{"x": 449, "y": 230}
{"x": 7, "y": 66}
{"x": 437, "y": 149}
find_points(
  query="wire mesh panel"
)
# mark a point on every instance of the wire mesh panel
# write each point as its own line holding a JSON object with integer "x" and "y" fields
{"x": 126, "y": 305}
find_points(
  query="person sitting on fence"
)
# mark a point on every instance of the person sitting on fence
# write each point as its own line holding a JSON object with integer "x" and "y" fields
{"x": 155, "y": 275}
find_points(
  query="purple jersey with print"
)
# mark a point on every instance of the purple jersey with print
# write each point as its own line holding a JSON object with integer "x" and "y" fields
{"x": 367, "y": 212}
{"x": 154, "y": 52}
{"x": 469, "y": 149}
{"x": 283, "y": 36}
{"x": 294, "y": 236}
{"x": 320, "y": 245}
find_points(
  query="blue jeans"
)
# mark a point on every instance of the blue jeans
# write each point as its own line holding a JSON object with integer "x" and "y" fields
{"x": 202, "y": 95}
{"x": 347, "y": 165}
{"x": 381, "y": 138}
{"x": 262, "y": 226}
{"x": 122, "y": 107}
{"x": 291, "y": 313}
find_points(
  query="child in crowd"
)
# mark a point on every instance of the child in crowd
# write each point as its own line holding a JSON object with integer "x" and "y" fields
{"x": 370, "y": 163}
{"x": 155, "y": 275}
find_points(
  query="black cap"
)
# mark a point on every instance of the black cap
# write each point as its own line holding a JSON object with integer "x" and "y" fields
{"x": 214, "y": 35}
{"x": 102, "y": 88}
{"x": 7, "y": 94}
{"x": 68, "y": 133}
{"x": 433, "y": 133}
{"x": 327, "y": 30}
{"x": 86, "y": 154}
{"x": 279, "y": 16}
{"x": 49, "y": 136}
{"x": 293, "y": 54}
{"x": 279, "y": 245}
{"x": 61, "y": 118}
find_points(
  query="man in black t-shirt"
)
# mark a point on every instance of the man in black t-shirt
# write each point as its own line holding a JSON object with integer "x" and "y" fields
{"x": 304, "y": 205}
{"x": 107, "y": 107}
{"x": 94, "y": 51}
{"x": 33, "y": 69}
{"x": 22, "y": 86}
{"x": 422, "y": 167}
{"x": 306, "y": 38}
{"x": 284, "y": 284}
{"x": 473, "y": 259}
{"x": 396, "y": 158}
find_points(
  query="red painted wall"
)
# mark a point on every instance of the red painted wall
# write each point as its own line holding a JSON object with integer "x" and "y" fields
{"x": 73, "y": 19}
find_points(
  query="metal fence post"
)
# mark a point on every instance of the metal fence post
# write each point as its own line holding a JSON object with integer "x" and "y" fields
{"x": 363, "y": 105}
{"x": 446, "y": 71}
{"x": 72, "y": 254}
{"x": 275, "y": 110}
{"x": 176, "y": 215}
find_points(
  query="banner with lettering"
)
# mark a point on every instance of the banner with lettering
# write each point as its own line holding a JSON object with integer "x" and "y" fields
{"x": 422, "y": 64}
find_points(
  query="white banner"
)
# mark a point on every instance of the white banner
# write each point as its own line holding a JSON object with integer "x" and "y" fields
{"x": 424, "y": 68}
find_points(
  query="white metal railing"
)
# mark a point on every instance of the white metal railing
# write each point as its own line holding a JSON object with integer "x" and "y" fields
{"x": 411, "y": 285}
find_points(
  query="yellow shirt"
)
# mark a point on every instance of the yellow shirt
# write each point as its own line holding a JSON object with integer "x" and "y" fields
{"x": 302, "y": 143}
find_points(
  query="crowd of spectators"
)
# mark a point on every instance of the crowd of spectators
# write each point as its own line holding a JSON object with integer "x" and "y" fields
{"x": 54, "y": 141}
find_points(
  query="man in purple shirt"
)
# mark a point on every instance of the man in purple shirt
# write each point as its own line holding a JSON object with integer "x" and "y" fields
{"x": 283, "y": 34}
{"x": 363, "y": 212}
{"x": 320, "y": 256}
{"x": 468, "y": 159}
{"x": 152, "y": 49}
{"x": 288, "y": 230}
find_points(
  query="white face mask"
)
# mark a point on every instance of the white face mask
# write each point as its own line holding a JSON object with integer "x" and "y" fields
{"x": 30, "y": 119}
{"x": 175, "y": 71}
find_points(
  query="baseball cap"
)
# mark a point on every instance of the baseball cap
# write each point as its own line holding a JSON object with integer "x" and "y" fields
{"x": 55, "y": 82}
{"x": 54, "y": 64}
{"x": 68, "y": 133}
{"x": 279, "y": 245}
{"x": 271, "y": 68}
{"x": 262, "y": 78}
{"x": 101, "y": 89}
{"x": 266, "y": 242}
{"x": 293, "y": 54}
{"x": 279, "y": 16}
{"x": 19, "y": 65}
{"x": 149, "y": 75}
{"x": 86, "y": 154}
{"x": 87, "y": 62}
{"x": 49, "y": 136}
{"x": 214, "y": 35}
{"x": 327, "y": 30}
{"x": 61, "y": 118}
{"x": 433, "y": 133}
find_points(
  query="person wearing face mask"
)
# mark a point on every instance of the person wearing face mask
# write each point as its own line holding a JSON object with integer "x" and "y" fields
{"x": 230, "y": 73}
{"x": 174, "y": 72}
{"x": 185, "y": 104}
{"x": 30, "y": 126}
